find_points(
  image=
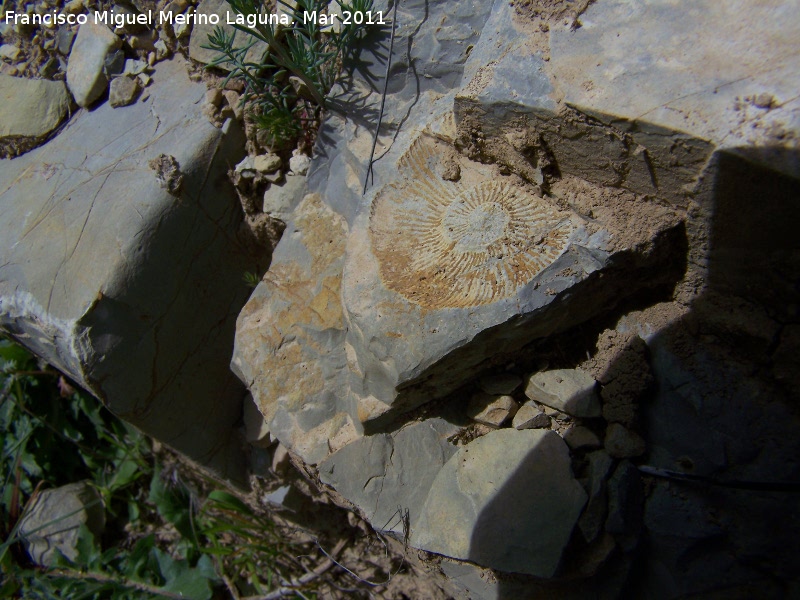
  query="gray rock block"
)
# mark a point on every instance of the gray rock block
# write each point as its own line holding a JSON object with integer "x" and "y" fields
{"x": 491, "y": 410}
{"x": 530, "y": 417}
{"x": 388, "y": 476}
{"x": 281, "y": 200}
{"x": 130, "y": 290}
{"x": 86, "y": 78}
{"x": 437, "y": 271}
{"x": 52, "y": 523}
{"x": 289, "y": 347}
{"x": 123, "y": 91}
{"x": 474, "y": 510}
{"x": 30, "y": 109}
{"x": 571, "y": 391}
{"x": 715, "y": 92}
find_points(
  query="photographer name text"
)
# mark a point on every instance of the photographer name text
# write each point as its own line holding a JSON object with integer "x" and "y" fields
{"x": 110, "y": 18}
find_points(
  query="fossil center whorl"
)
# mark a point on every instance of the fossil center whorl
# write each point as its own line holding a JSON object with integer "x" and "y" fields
{"x": 445, "y": 245}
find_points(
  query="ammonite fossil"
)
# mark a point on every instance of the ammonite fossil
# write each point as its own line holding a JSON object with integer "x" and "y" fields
{"x": 447, "y": 245}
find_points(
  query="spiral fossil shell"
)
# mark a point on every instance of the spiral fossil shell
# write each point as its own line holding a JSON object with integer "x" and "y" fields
{"x": 446, "y": 245}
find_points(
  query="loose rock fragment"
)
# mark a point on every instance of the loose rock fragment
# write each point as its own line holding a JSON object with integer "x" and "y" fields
{"x": 299, "y": 163}
{"x": 86, "y": 78}
{"x": 29, "y": 110}
{"x": 491, "y": 410}
{"x": 281, "y": 200}
{"x": 53, "y": 521}
{"x": 123, "y": 91}
{"x": 9, "y": 52}
{"x": 568, "y": 390}
{"x": 507, "y": 500}
{"x": 594, "y": 515}
{"x": 530, "y": 417}
{"x": 267, "y": 163}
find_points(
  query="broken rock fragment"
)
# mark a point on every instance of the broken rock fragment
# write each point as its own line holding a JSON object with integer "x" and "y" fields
{"x": 568, "y": 390}
{"x": 514, "y": 499}
{"x": 491, "y": 410}
{"x": 86, "y": 77}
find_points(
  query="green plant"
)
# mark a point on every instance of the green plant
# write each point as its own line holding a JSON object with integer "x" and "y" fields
{"x": 161, "y": 540}
{"x": 305, "y": 50}
{"x": 251, "y": 279}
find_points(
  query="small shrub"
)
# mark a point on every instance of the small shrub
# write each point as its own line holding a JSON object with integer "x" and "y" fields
{"x": 161, "y": 540}
{"x": 307, "y": 52}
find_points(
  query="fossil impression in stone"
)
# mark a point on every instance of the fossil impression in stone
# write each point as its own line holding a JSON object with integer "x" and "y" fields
{"x": 448, "y": 245}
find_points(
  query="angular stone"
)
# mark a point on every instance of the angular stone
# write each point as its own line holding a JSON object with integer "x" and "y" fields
{"x": 234, "y": 100}
{"x": 299, "y": 163}
{"x": 114, "y": 63}
{"x": 530, "y": 417}
{"x": 502, "y": 383}
{"x": 129, "y": 290}
{"x": 280, "y": 200}
{"x": 135, "y": 67}
{"x": 9, "y": 52}
{"x": 30, "y": 109}
{"x": 64, "y": 39}
{"x": 53, "y": 521}
{"x": 621, "y": 442}
{"x": 86, "y": 78}
{"x": 289, "y": 343}
{"x": 201, "y": 30}
{"x": 569, "y": 390}
{"x": 267, "y": 163}
{"x": 491, "y": 410}
{"x": 388, "y": 476}
{"x": 123, "y": 91}
{"x": 474, "y": 510}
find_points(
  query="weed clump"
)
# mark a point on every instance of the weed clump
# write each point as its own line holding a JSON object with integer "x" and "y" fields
{"x": 288, "y": 86}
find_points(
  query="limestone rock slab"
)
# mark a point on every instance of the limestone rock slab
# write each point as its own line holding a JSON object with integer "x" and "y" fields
{"x": 733, "y": 83}
{"x": 436, "y": 270}
{"x": 86, "y": 78}
{"x": 127, "y": 288}
{"x": 388, "y": 476}
{"x": 289, "y": 347}
{"x": 507, "y": 500}
{"x": 30, "y": 109}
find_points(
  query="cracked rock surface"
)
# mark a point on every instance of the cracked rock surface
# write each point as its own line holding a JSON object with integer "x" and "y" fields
{"x": 548, "y": 197}
{"x": 129, "y": 287}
